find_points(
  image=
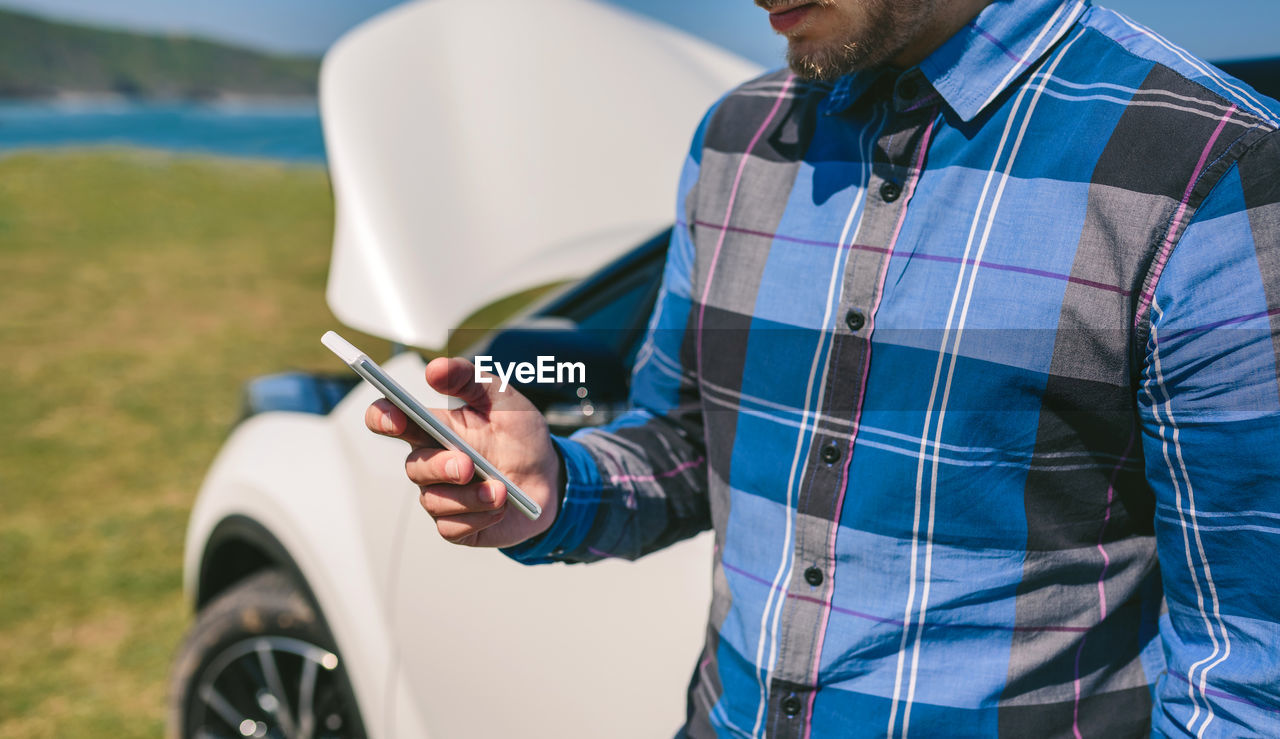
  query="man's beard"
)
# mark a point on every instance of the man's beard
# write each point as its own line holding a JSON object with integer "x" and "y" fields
{"x": 840, "y": 58}
{"x": 884, "y": 30}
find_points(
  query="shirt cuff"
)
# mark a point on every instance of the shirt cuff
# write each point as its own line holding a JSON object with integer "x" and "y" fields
{"x": 577, "y": 513}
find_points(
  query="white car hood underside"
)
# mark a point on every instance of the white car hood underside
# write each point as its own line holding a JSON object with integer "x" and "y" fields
{"x": 480, "y": 148}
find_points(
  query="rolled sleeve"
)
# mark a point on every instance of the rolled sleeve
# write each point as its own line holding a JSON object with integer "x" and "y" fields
{"x": 564, "y": 541}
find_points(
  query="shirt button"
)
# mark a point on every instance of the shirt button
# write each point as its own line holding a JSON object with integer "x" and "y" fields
{"x": 890, "y": 191}
{"x": 831, "y": 453}
{"x": 855, "y": 320}
{"x": 791, "y": 705}
{"x": 813, "y": 576}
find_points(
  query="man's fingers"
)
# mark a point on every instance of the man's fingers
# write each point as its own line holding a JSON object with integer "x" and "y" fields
{"x": 453, "y": 500}
{"x": 381, "y": 417}
{"x": 461, "y": 512}
{"x": 432, "y": 466}
{"x": 464, "y": 529}
{"x": 457, "y": 377}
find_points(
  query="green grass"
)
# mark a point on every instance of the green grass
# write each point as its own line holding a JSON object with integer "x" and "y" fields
{"x": 138, "y": 292}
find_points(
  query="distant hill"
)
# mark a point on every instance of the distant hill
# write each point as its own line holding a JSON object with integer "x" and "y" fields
{"x": 40, "y": 58}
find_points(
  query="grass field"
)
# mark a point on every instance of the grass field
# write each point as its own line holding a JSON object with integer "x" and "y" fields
{"x": 139, "y": 291}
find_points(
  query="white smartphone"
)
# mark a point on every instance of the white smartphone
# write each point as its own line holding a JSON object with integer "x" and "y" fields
{"x": 374, "y": 375}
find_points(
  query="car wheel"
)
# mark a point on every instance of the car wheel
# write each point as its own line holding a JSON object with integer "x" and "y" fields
{"x": 259, "y": 662}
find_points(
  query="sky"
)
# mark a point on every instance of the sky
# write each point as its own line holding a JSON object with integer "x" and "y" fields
{"x": 1215, "y": 30}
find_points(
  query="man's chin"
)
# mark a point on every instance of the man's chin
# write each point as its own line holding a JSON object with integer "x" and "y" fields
{"x": 821, "y": 67}
{"x": 807, "y": 71}
{"x": 831, "y": 62}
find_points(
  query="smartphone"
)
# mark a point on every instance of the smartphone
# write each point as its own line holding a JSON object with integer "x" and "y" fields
{"x": 374, "y": 375}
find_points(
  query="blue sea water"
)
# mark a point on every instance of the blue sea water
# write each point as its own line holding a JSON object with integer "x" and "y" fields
{"x": 282, "y": 131}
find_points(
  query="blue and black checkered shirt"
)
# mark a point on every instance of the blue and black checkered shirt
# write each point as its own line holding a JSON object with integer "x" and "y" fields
{"x": 972, "y": 369}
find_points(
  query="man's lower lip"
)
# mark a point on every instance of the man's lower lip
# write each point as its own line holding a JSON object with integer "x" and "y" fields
{"x": 785, "y": 21}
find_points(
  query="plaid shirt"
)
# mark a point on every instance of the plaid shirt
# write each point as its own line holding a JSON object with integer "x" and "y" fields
{"x": 973, "y": 371}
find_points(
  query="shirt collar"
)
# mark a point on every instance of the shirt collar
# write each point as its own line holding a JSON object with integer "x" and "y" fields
{"x": 982, "y": 59}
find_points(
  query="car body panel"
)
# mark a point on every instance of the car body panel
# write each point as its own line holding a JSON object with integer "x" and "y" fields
{"x": 471, "y": 159}
{"x": 332, "y": 495}
{"x": 286, "y": 472}
{"x": 493, "y": 648}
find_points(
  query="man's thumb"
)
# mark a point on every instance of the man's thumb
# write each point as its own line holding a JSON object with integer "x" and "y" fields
{"x": 456, "y": 377}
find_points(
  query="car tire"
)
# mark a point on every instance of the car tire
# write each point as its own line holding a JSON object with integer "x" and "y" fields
{"x": 259, "y": 662}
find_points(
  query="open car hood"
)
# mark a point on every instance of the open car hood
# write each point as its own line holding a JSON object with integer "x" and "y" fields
{"x": 478, "y": 149}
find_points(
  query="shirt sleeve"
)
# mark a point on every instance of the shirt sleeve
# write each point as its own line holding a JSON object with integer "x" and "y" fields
{"x": 1209, "y": 405}
{"x": 640, "y": 483}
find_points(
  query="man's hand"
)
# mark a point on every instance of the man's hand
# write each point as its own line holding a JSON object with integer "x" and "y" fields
{"x": 506, "y": 429}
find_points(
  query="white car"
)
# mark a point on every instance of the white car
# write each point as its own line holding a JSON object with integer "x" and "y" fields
{"x": 471, "y": 158}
